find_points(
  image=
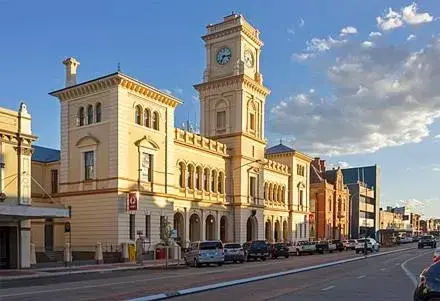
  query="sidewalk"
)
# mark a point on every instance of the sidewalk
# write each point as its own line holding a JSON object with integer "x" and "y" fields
{"x": 83, "y": 269}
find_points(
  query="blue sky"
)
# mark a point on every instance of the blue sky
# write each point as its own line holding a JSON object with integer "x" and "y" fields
{"x": 158, "y": 42}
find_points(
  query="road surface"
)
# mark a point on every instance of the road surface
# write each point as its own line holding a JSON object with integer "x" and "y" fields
{"x": 381, "y": 277}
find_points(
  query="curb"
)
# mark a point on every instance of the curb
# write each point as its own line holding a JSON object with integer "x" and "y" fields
{"x": 210, "y": 287}
{"x": 77, "y": 271}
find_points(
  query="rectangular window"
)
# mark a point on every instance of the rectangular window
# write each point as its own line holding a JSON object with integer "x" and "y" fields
{"x": 148, "y": 227}
{"x": 89, "y": 165}
{"x": 147, "y": 167}
{"x": 252, "y": 187}
{"x": 300, "y": 201}
{"x": 54, "y": 180}
{"x": 132, "y": 227}
{"x": 221, "y": 120}
{"x": 252, "y": 121}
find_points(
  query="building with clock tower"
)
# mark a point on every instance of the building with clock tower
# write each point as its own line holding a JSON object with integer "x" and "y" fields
{"x": 119, "y": 143}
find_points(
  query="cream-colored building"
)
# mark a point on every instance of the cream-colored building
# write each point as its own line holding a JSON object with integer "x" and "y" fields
{"x": 119, "y": 143}
{"x": 17, "y": 208}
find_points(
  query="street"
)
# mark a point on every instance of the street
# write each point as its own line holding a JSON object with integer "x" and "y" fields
{"x": 378, "y": 278}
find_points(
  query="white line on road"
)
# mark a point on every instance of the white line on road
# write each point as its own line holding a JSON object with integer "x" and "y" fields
{"x": 407, "y": 272}
{"x": 361, "y": 276}
{"x": 383, "y": 269}
{"x": 328, "y": 288}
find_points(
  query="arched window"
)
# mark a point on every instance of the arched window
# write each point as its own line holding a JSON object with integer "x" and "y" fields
{"x": 220, "y": 182}
{"x": 213, "y": 179}
{"x": 98, "y": 112}
{"x": 90, "y": 114}
{"x": 147, "y": 117}
{"x": 284, "y": 194}
{"x": 182, "y": 174}
{"x": 330, "y": 204}
{"x": 138, "y": 115}
{"x": 274, "y": 193}
{"x": 155, "y": 120}
{"x": 190, "y": 176}
{"x": 269, "y": 197}
{"x": 206, "y": 179}
{"x": 81, "y": 116}
{"x": 198, "y": 177}
{"x": 265, "y": 191}
{"x": 280, "y": 194}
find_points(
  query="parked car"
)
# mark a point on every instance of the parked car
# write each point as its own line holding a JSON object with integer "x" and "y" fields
{"x": 339, "y": 245}
{"x": 436, "y": 256}
{"x": 427, "y": 240}
{"x": 325, "y": 246}
{"x": 372, "y": 245}
{"x": 416, "y": 238}
{"x": 428, "y": 288}
{"x": 405, "y": 239}
{"x": 351, "y": 244}
{"x": 303, "y": 247}
{"x": 279, "y": 249}
{"x": 234, "y": 252}
{"x": 205, "y": 252}
{"x": 257, "y": 249}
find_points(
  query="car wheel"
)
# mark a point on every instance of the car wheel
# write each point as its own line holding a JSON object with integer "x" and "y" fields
{"x": 287, "y": 256}
{"x": 263, "y": 258}
{"x": 242, "y": 261}
{"x": 298, "y": 253}
{"x": 220, "y": 264}
{"x": 196, "y": 263}
{"x": 357, "y": 251}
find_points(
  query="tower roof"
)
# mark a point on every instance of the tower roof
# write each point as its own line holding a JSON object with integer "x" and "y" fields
{"x": 279, "y": 149}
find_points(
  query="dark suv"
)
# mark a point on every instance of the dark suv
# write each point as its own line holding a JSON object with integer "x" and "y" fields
{"x": 256, "y": 249}
{"x": 427, "y": 240}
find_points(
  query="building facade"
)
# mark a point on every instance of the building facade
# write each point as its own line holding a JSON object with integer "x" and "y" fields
{"x": 330, "y": 199}
{"x": 364, "y": 184}
{"x": 17, "y": 208}
{"x": 390, "y": 220}
{"x": 411, "y": 220}
{"x": 125, "y": 170}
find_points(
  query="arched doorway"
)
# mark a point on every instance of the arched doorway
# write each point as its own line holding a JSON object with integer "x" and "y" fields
{"x": 194, "y": 227}
{"x": 179, "y": 226}
{"x": 251, "y": 228}
{"x": 285, "y": 231}
{"x": 223, "y": 224}
{"x": 210, "y": 227}
{"x": 277, "y": 234}
{"x": 268, "y": 231}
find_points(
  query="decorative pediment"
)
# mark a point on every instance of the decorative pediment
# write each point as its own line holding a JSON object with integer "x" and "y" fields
{"x": 147, "y": 142}
{"x": 88, "y": 140}
{"x": 301, "y": 185}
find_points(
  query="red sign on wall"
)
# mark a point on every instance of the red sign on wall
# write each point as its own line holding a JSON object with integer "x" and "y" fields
{"x": 133, "y": 201}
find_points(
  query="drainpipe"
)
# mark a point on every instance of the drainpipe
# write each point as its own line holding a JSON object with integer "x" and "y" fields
{"x": 166, "y": 150}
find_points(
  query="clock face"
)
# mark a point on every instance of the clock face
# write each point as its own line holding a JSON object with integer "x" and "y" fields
{"x": 223, "y": 56}
{"x": 249, "y": 58}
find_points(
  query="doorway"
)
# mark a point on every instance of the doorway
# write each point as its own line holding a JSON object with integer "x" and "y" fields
{"x": 4, "y": 248}
{"x": 48, "y": 235}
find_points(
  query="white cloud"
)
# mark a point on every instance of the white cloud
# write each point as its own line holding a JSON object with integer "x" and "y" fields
{"x": 411, "y": 37}
{"x": 411, "y": 16}
{"x": 178, "y": 90}
{"x": 303, "y": 56}
{"x": 347, "y": 31}
{"x": 390, "y": 21}
{"x": 317, "y": 46}
{"x": 382, "y": 96}
{"x": 367, "y": 44}
{"x": 167, "y": 91}
{"x": 301, "y": 23}
{"x": 291, "y": 31}
{"x": 415, "y": 205}
{"x": 374, "y": 34}
{"x": 312, "y": 91}
{"x": 437, "y": 136}
{"x": 343, "y": 164}
{"x": 436, "y": 169}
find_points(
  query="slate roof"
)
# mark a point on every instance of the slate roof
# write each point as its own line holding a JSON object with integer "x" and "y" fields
{"x": 330, "y": 175}
{"x": 44, "y": 154}
{"x": 279, "y": 149}
{"x": 315, "y": 175}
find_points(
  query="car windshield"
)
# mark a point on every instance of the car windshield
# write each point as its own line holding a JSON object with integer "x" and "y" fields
{"x": 427, "y": 237}
{"x": 232, "y": 246}
{"x": 210, "y": 245}
{"x": 259, "y": 243}
{"x": 361, "y": 240}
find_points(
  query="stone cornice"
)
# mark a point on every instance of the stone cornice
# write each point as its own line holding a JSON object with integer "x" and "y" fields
{"x": 297, "y": 154}
{"x": 114, "y": 80}
{"x": 16, "y": 138}
{"x": 234, "y": 80}
{"x": 277, "y": 167}
{"x": 199, "y": 142}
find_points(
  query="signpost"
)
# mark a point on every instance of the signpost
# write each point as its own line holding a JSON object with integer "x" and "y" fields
{"x": 132, "y": 201}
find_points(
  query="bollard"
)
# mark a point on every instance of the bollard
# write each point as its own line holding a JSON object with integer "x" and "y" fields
{"x": 98, "y": 253}
{"x": 125, "y": 252}
{"x": 33, "y": 257}
{"x": 67, "y": 255}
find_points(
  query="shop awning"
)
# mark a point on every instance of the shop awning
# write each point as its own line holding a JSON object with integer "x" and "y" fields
{"x": 32, "y": 212}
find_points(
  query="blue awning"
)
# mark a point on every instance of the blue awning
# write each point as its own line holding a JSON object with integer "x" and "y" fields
{"x": 32, "y": 212}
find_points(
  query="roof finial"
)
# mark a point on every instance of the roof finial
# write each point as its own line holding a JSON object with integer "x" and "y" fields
{"x": 119, "y": 67}
{"x": 281, "y": 140}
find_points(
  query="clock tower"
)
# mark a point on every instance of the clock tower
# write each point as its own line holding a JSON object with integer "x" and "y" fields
{"x": 232, "y": 97}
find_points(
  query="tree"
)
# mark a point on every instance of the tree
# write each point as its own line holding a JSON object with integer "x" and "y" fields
{"x": 166, "y": 231}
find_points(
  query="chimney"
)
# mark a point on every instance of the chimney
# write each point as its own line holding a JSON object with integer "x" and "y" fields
{"x": 322, "y": 164}
{"x": 71, "y": 65}
{"x": 316, "y": 164}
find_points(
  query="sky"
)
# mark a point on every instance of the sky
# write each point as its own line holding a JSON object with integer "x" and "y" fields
{"x": 354, "y": 82}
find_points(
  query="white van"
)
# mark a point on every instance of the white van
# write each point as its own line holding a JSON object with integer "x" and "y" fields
{"x": 205, "y": 252}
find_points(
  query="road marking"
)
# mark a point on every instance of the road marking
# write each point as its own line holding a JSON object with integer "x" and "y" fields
{"x": 219, "y": 285}
{"x": 361, "y": 276}
{"x": 328, "y": 288}
{"x": 408, "y": 272}
{"x": 383, "y": 269}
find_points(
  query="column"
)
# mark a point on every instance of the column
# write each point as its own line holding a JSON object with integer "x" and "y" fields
{"x": 25, "y": 244}
{"x": 217, "y": 225}
{"x": 273, "y": 229}
{"x": 281, "y": 229}
{"x": 202, "y": 225}
{"x": 186, "y": 227}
